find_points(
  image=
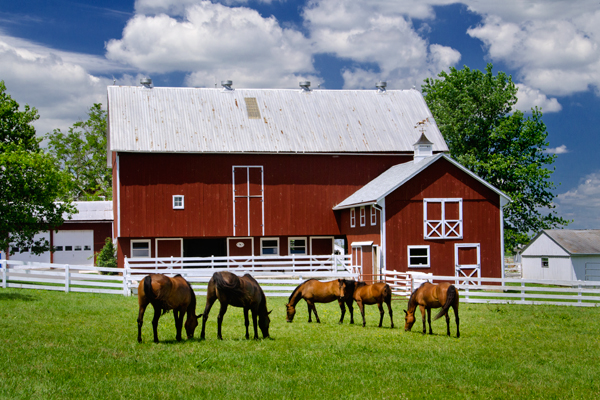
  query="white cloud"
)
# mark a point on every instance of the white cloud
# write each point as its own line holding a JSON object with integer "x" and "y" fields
{"x": 582, "y": 204}
{"x": 56, "y": 83}
{"x": 562, "y": 149}
{"x": 214, "y": 41}
{"x": 179, "y": 7}
{"x": 377, "y": 32}
{"x": 554, "y": 46}
{"x": 529, "y": 98}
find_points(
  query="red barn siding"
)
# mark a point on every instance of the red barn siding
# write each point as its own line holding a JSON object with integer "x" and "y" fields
{"x": 300, "y": 191}
{"x": 481, "y": 220}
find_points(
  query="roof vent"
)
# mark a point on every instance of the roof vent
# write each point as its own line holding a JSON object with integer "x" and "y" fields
{"x": 423, "y": 147}
{"x": 381, "y": 85}
{"x": 305, "y": 85}
{"x": 146, "y": 82}
{"x": 227, "y": 85}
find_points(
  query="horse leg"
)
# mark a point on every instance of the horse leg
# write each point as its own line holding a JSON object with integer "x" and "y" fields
{"x": 178, "y": 315}
{"x": 140, "y": 320}
{"x": 211, "y": 297}
{"x": 448, "y": 323}
{"x": 381, "y": 313}
{"x": 343, "y": 308}
{"x": 455, "y": 308}
{"x": 255, "y": 322}
{"x": 361, "y": 306}
{"x": 247, "y": 322}
{"x": 429, "y": 320}
{"x": 222, "y": 312}
{"x": 424, "y": 316}
{"x": 389, "y": 304}
{"x": 351, "y": 309}
{"x": 308, "y": 304}
{"x": 157, "y": 311}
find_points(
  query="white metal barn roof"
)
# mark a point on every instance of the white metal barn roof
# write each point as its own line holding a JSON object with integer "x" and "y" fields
{"x": 159, "y": 119}
{"x": 92, "y": 211}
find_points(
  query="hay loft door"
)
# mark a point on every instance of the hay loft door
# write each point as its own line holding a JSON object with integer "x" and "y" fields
{"x": 248, "y": 201}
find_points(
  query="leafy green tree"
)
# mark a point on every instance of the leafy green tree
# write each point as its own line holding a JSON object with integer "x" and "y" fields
{"x": 33, "y": 190}
{"x": 474, "y": 111}
{"x": 82, "y": 153}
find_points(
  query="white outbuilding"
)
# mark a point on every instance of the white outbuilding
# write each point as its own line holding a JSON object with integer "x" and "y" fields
{"x": 562, "y": 254}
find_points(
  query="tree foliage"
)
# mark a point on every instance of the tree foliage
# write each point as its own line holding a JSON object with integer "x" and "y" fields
{"x": 31, "y": 182}
{"x": 107, "y": 257}
{"x": 82, "y": 153}
{"x": 474, "y": 111}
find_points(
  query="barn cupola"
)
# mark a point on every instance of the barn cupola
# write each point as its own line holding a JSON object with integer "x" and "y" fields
{"x": 423, "y": 148}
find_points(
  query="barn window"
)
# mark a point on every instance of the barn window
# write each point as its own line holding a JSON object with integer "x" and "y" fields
{"x": 418, "y": 257}
{"x": 363, "y": 216}
{"x": 178, "y": 203}
{"x": 352, "y": 217}
{"x": 442, "y": 219}
{"x": 373, "y": 216}
{"x": 545, "y": 262}
{"x": 252, "y": 107}
{"x": 68, "y": 248}
{"x": 269, "y": 246}
{"x": 140, "y": 248}
{"x": 297, "y": 245}
{"x": 58, "y": 248}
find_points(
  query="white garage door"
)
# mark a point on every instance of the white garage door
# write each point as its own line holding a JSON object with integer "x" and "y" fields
{"x": 74, "y": 247}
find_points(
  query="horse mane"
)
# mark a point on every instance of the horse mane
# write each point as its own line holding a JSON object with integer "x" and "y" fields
{"x": 412, "y": 295}
{"x": 360, "y": 284}
{"x": 298, "y": 288}
{"x": 192, "y": 305}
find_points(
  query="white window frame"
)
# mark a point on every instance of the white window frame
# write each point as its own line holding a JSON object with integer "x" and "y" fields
{"x": 262, "y": 248}
{"x": 373, "y": 216}
{"x": 363, "y": 216}
{"x": 297, "y": 238}
{"x": 353, "y": 217}
{"x": 177, "y": 206}
{"x": 545, "y": 260}
{"x": 443, "y": 228}
{"x": 428, "y": 265}
{"x": 147, "y": 241}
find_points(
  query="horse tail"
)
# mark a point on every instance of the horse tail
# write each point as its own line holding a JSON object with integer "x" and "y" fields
{"x": 148, "y": 291}
{"x": 450, "y": 296}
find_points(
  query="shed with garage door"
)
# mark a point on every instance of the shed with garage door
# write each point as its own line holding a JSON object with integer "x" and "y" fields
{"x": 563, "y": 254}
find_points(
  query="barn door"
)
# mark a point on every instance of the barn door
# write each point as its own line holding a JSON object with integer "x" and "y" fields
{"x": 467, "y": 262}
{"x": 248, "y": 201}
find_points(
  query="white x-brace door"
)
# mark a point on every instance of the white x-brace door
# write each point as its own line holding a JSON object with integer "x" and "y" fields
{"x": 464, "y": 271}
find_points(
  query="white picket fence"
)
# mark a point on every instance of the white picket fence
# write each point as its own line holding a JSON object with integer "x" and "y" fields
{"x": 279, "y": 276}
{"x": 507, "y": 290}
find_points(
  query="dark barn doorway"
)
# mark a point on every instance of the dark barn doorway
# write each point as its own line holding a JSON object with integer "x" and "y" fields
{"x": 204, "y": 247}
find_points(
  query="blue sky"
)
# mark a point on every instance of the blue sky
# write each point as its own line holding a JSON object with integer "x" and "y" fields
{"x": 59, "y": 56}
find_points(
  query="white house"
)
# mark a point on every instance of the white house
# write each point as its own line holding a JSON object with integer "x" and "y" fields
{"x": 562, "y": 254}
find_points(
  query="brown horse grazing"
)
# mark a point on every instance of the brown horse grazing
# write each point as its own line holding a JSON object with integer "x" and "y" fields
{"x": 377, "y": 293}
{"x": 165, "y": 293}
{"x": 429, "y": 296}
{"x": 242, "y": 292}
{"x": 314, "y": 291}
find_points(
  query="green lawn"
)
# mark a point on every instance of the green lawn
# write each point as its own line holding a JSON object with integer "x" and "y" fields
{"x": 62, "y": 346}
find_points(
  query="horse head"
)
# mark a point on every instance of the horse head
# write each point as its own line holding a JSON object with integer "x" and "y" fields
{"x": 409, "y": 320}
{"x": 290, "y": 311}
{"x": 263, "y": 322}
{"x": 191, "y": 323}
{"x": 346, "y": 288}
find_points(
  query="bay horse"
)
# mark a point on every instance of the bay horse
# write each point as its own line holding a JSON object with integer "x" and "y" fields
{"x": 314, "y": 291}
{"x": 429, "y": 296}
{"x": 242, "y": 292}
{"x": 165, "y": 293}
{"x": 376, "y": 293}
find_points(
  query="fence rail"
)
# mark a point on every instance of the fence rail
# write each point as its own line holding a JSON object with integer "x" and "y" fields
{"x": 278, "y": 277}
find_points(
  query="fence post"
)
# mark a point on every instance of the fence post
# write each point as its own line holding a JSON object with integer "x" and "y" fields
{"x": 125, "y": 277}
{"x": 212, "y": 261}
{"x": 67, "y": 278}
{"x": 522, "y": 291}
{"x": 579, "y": 294}
{"x": 4, "y": 268}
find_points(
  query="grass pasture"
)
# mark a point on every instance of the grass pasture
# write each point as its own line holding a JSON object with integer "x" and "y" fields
{"x": 55, "y": 345}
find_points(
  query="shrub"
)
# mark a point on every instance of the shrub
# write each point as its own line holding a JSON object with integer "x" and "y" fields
{"x": 107, "y": 258}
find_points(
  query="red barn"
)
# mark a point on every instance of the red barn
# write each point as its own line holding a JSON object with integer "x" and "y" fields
{"x": 200, "y": 172}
